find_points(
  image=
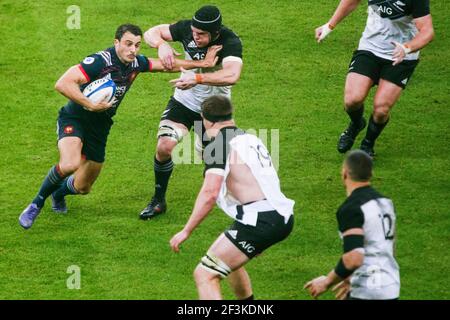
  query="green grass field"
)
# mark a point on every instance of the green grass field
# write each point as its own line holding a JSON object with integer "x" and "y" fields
{"x": 289, "y": 83}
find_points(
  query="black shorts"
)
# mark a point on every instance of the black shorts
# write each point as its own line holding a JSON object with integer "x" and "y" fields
{"x": 270, "y": 229}
{"x": 376, "y": 68}
{"x": 92, "y": 132}
{"x": 177, "y": 112}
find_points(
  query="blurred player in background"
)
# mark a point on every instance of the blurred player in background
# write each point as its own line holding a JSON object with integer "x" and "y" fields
{"x": 367, "y": 269}
{"x": 205, "y": 29}
{"x": 387, "y": 55}
{"x": 83, "y": 126}
{"x": 240, "y": 176}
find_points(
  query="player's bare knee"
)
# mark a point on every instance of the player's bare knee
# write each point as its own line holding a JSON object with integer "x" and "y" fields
{"x": 69, "y": 167}
{"x": 381, "y": 112}
{"x": 165, "y": 148}
{"x": 201, "y": 275}
{"x": 353, "y": 100}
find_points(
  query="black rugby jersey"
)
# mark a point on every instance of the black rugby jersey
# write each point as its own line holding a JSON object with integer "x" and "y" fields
{"x": 107, "y": 64}
{"x": 182, "y": 32}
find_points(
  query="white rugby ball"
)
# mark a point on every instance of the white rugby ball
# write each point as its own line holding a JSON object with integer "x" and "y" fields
{"x": 99, "y": 90}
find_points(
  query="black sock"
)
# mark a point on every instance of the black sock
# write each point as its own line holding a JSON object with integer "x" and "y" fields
{"x": 163, "y": 170}
{"x": 356, "y": 115}
{"x": 51, "y": 182}
{"x": 67, "y": 187}
{"x": 373, "y": 131}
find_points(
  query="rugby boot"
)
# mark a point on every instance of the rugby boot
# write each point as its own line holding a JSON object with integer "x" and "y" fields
{"x": 26, "y": 219}
{"x": 347, "y": 138}
{"x": 154, "y": 208}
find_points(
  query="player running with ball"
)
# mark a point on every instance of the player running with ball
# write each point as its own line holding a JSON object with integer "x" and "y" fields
{"x": 83, "y": 126}
{"x": 387, "y": 55}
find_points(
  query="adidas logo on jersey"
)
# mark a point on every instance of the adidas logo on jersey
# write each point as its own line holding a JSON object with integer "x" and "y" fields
{"x": 405, "y": 81}
{"x": 233, "y": 233}
{"x": 399, "y": 3}
{"x": 192, "y": 44}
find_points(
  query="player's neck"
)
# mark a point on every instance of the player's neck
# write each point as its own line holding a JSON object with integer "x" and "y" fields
{"x": 352, "y": 186}
{"x": 215, "y": 129}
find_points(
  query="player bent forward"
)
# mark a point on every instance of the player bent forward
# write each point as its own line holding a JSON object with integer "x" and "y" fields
{"x": 367, "y": 270}
{"x": 83, "y": 126}
{"x": 240, "y": 177}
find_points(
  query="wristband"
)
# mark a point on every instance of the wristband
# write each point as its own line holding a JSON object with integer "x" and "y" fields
{"x": 406, "y": 48}
{"x": 199, "y": 78}
{"x": 342, "y": 271}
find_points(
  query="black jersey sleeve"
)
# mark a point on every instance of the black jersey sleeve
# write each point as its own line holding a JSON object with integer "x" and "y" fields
{"x": 145, "y": 65}
{"x": 91, "y": 66}
{"x": 350, "y": 217}
{"x": 180, "y": 30}
{"x": 231, "y": 47}
{"x": 215, "y": 155}
{"x": 420, "y": 8}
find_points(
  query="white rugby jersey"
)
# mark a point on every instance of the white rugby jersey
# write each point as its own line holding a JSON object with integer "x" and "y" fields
{"x": 231, "y": 51}
{"x": 254, "y": 154}
{"x": 391, "y": 20}
{"x": 378, "y": 278}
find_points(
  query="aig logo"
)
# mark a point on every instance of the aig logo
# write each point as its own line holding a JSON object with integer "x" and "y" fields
{"x": 385, "y": 10}
{"x": 247, "y": 246}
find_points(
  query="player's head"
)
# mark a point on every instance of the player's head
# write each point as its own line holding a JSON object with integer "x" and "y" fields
{"x": 357, "y": 167}
{"x": 206, "y": 24}
{"x": 216, "y": 112}
{"x": 128, "y": 42}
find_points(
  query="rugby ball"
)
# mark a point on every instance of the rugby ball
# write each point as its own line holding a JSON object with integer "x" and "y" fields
{"x": 99, "y": 90}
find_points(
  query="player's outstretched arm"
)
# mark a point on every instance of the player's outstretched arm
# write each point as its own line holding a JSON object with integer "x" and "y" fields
{"x": 344, "y": 8}
{"x": 423, "y": 37}
{"x": 69, "y": 86}
{"x": 228, "y": 76}
{"x": 210, "y": 60}
{"x": 157, "y": 37}
{"x": 205, "y": 202}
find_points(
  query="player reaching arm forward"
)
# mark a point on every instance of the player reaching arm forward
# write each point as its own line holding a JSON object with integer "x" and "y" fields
{"x": 240, "y": 177}
{"x": 387, "y": 56}
{"x": 204, "y": 30}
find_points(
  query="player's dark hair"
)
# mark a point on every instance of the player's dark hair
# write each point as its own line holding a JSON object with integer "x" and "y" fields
{"x": 217, "y": 109}
{"x": 124, "y": 28}
{"x": 359, "y": 165}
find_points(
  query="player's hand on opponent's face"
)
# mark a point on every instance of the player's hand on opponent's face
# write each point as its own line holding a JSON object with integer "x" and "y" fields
{"x": 166, "y": 55}
{"x": 178, "y": 239}
{"x": 399, "y": 53}
{"x": 342, "y": 289}
{"x": 102, "y": 105}
{"x": 211, "y": 57}
{"x": 317, "y": 286}
{"x": 186, "y": 81}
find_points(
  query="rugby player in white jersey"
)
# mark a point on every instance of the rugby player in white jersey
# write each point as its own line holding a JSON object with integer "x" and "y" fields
{"x": 204, "y": 30}
{"x": 387, "y": 55}
{"x": 239, "y": 176}
{"x": 367, "y": 269}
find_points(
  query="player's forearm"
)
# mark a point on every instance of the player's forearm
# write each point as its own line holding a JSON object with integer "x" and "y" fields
{"x": 344, "y": 8}
{"x": 219, "y": 78}
{"x": 203, "y": 205}
{"x": 422, "y": 38}
{"x": 188, "y": 64}
{"x": 71, "y": 90}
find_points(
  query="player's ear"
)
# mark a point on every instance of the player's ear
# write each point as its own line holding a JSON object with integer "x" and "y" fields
{"x": 116, "y": 42}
